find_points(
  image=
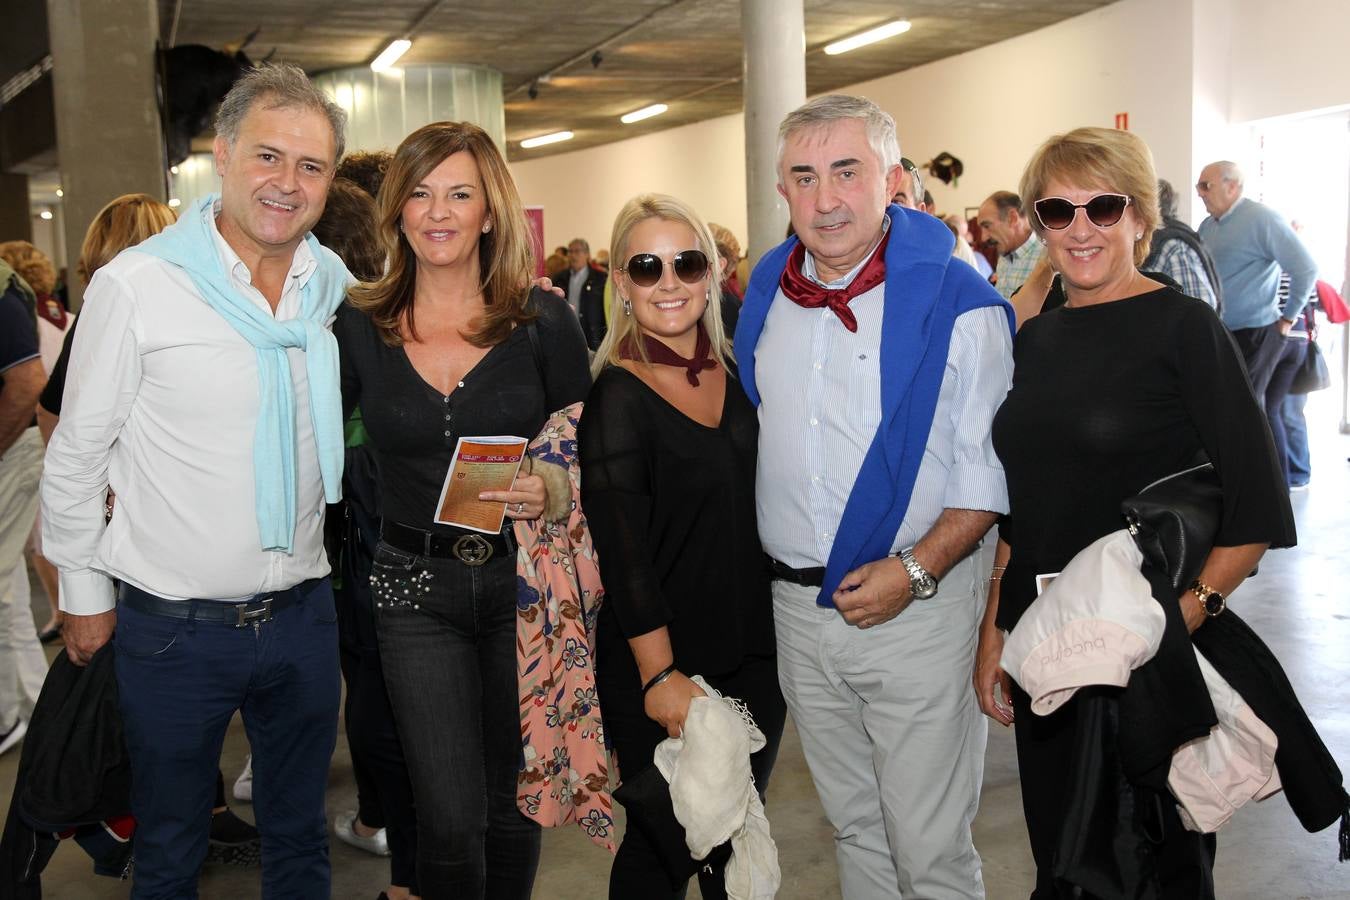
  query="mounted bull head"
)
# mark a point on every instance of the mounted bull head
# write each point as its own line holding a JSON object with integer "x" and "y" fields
{"x": 196, "y": 78}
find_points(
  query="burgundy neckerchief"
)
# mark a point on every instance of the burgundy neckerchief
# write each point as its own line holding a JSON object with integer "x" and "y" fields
{"x": 805, "y": 292}
{"x": 658, "y": 352}
{"x": 49, "y": 308}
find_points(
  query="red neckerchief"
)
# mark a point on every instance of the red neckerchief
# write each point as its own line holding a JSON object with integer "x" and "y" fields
{"x": 805, "y": 292}
{"x": 658, "y": 352}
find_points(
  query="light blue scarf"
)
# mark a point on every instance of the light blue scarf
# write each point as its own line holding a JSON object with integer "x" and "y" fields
{"x": 190, "y": 245}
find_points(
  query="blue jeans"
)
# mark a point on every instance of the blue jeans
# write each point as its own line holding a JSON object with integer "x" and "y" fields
{"x": 447, "y": 635}
{"x": 1277, "y": 389}
{"x": 179, "y": 684}
{"x": 1296, "y": 438}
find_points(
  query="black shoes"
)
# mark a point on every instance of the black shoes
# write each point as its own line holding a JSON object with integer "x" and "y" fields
{"x": 233, "y": 841}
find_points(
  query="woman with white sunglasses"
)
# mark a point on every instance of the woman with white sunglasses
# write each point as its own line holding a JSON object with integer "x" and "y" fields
{"x": 1127, "y": 382}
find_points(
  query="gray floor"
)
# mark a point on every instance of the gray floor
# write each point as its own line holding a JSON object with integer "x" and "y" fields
{"x": 1299, "y": 603}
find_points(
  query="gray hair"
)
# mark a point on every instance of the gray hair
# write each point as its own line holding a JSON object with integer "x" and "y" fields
{"x": 1229, "y": 171}
{"x": 585, "y": 244}
{"x": 279, "y": 86}
{"x": 822, "y": 111}
{"x": 1167, "y": 199}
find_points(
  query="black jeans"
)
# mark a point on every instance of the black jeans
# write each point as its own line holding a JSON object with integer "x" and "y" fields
{"x": 1261, "y": 349}
{"x": 447, "y": 634}
{"x": 637, "y": 870}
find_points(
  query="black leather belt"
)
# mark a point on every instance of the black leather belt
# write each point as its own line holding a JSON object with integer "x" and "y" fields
{"x": 473, "y": 548}
{"x": 812, "y": 577}
{"x": 238, "y": 613}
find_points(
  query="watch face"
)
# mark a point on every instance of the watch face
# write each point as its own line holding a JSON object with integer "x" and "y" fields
{"x": 923, "y": 588}
{"x": 1214, "y": 604}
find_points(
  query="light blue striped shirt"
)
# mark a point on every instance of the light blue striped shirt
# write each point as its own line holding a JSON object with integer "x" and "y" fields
{"x": 820, "y": 390}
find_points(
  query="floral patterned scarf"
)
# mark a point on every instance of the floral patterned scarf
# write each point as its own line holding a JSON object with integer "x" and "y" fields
{"x": 565, "y": 775}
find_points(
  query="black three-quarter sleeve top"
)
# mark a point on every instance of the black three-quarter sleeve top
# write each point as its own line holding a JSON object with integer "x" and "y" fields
{"x": 671, "y": 507}
{"x": 413, "y": 428}
{"x": 1108, "y": 398}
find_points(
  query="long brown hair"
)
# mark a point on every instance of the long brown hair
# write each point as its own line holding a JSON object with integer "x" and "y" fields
{"x": 505, "y": 254}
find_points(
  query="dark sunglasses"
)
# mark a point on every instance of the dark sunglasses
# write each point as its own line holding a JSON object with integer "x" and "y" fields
{"x": 1103, "y": 210}
{"x": 645, "y": 269}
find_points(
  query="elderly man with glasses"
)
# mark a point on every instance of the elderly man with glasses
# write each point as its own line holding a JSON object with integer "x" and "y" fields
{"x": 1251, "y": 245}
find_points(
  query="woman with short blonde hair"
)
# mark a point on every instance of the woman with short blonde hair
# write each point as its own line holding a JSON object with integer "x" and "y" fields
{"x": 124, "y": 222}
{"x": 1128, "y": 381}
{"x": 1101, "y": 158}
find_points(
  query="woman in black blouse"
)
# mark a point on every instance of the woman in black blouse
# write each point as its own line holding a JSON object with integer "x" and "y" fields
{"x": 1128, "y": 382}
{"x": 438, "y": 349}
{"x": 667, "y": 445}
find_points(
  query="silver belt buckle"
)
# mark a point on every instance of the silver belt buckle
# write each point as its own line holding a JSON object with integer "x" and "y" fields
{"x": 472, "y": 550}
{"x": 247, "y": 617}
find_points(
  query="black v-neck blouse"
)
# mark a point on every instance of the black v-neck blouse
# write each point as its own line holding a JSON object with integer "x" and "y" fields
{"x": 413, "y": 428}
{"x": 671, "y": 507}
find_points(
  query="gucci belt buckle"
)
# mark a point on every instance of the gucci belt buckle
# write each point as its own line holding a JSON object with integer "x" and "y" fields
{"x": 472, "y": 550}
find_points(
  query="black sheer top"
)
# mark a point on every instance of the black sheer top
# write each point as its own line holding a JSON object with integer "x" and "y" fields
{"x": 1108, "y": 398}
{"x": 671, "y": 507}
{"x": 413, "y": 428}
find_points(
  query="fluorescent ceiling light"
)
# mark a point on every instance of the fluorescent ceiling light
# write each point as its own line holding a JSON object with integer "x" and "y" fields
{"x": 544, "y": 139}
{"x": 390, "y": 55}
{"x": 646, "y": 112}
{"x": 880, "y": 33}
{"x": 175, "y": 202}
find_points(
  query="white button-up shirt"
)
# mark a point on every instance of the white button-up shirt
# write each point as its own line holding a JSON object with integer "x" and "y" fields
{"x": 820, "y": 405}
{"x": 160, "y": 405}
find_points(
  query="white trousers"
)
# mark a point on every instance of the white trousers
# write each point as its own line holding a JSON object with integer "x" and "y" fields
{"x": 892, "y": 734}
{"x": 23, "y": 666}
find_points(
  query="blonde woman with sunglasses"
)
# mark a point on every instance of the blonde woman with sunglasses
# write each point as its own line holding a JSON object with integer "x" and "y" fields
{"x": 668, "y": 448}
{"x": 1127, "y": 382}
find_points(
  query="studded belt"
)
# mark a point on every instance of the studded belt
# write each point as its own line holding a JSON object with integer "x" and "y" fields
{"x": 469, "y": 547}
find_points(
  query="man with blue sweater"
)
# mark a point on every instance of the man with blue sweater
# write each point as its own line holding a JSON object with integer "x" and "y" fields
{"x": 876, "y": 364}
{"x": 204, "y": 392}
{"x": 1251, "y": 246}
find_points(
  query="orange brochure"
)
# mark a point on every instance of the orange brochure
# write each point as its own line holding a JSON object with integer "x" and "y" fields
{"x": 480, "y": 464}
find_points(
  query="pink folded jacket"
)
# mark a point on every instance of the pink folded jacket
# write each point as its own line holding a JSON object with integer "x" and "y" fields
{"x": 1095, "y": 624}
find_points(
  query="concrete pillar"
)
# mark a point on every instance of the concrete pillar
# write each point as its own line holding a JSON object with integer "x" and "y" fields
{"x": 774, "y": 40}
{"x": 14, "y": 222}
{"x": 108, "y": 134}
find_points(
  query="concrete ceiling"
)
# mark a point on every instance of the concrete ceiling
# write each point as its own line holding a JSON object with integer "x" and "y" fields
{"x": 685, "y": 53}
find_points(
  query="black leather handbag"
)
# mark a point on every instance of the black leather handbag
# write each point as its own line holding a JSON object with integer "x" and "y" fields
{"x": 1312, "y": 374}
{"x": 1174, "y": 521}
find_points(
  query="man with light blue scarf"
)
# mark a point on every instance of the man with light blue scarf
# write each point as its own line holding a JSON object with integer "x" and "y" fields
{"x": 203, "y": 392}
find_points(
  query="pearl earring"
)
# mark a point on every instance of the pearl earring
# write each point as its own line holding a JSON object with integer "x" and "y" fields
{"x": 627, "y": 306}
{"x": 487, "y": 226}
{"x": 1138, "y": 235}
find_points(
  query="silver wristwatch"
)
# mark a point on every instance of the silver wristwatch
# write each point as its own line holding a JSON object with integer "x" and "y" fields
{"x": 922, "y": 584}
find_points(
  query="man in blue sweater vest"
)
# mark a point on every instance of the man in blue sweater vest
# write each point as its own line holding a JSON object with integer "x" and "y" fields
{"x": 1251, "y": 245}
{"x": 876, "y": 363}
